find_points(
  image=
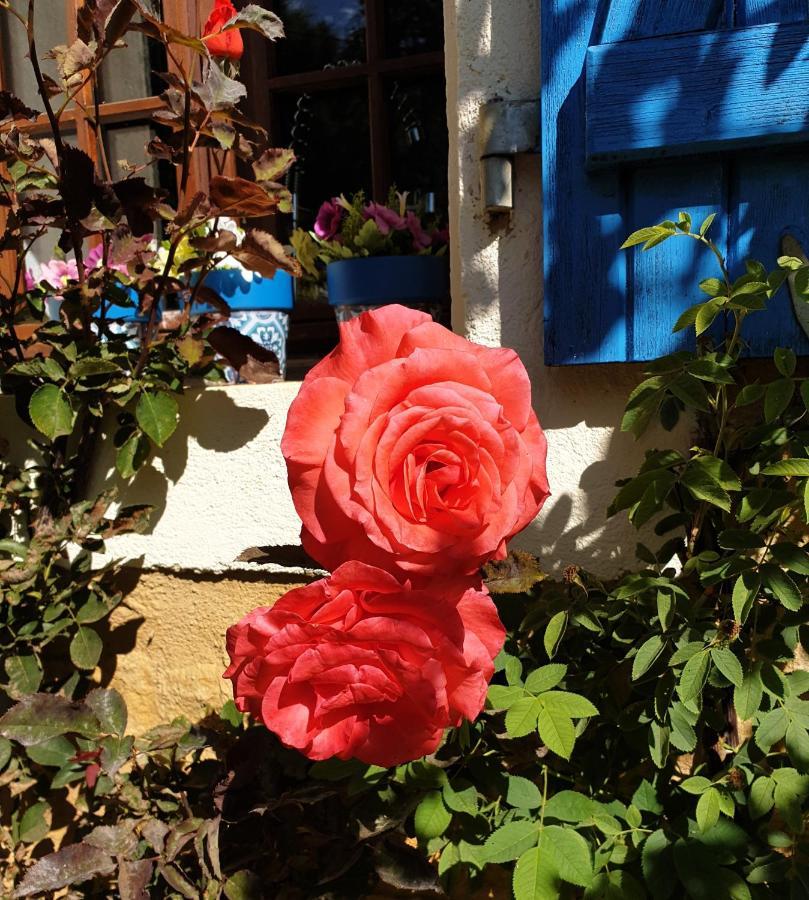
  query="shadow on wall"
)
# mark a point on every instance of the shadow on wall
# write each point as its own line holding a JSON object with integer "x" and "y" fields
{"x": 210, "y": 417}
{"x": 499, "y": 286}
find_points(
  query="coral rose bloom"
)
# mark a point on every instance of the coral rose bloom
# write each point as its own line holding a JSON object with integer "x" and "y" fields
{"x": 228, "y": 45}
{"x": 359, "y": 665}
{"x": 413, "y": 449}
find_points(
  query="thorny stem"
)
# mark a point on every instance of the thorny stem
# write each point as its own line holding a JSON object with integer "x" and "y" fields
{"x": 75, "y": 234}
{"x": 721, "y": 400}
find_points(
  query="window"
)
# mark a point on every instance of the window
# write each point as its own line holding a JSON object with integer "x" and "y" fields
{"x": 128, "y": 87}
{"x": 357, "y": 90}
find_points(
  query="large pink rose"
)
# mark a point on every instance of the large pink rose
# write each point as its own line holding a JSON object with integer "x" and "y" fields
{"x": 359, "y": 665}
{"x": 413, "y": 449}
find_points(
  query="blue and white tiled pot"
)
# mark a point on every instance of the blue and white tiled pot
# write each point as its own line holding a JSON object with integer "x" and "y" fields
{"x": 259, "y": 307}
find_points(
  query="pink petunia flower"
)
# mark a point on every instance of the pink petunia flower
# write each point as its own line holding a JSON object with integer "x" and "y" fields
{"x": 386, "y": 219}
{"x": 329, "y": 218}
{"x": 421, "y": 240}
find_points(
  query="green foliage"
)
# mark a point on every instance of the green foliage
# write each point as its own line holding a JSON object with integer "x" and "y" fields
{"x": 81, "y": 388}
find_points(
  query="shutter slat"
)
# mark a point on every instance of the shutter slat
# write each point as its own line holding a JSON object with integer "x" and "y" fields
{"x": 631, "y": 19}
{"x": 660, "y": 96}
{"x": 666, "y": 281}
{"x": 769, "y": 200}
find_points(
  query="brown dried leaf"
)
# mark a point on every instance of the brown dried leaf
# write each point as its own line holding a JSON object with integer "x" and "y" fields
{"x": 254, "y": 363}
{"x": 139, "y": 200}
{"x": 241, "y": 198}
{"x": 262, "y": 253}
{"x": 12, "y": 107}
{"x": 222, "y": 242}
{"x": 76, "y": 181}
{"x": 117, "y": 840}
{"x": 130, "y": 520}
{"x": 73, "y": 61}
{"x": 273, "y": 164}
{"x": 208, "y": 297}
{"x": 516, "y": 574}
{"x": 133, "y": 878}
{"x": 70, "y": 865}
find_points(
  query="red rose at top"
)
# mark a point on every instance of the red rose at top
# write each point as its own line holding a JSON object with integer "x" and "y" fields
{"x": 228, "y": 45}
{"x": 412, "y": 449}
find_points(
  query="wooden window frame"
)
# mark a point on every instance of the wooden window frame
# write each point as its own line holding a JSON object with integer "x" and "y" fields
{"x": 263, "y": 80}
{"x": 188, "y": 16}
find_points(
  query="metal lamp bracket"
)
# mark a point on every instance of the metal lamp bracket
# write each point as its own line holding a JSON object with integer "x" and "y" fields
{"x": 506, "y": 128}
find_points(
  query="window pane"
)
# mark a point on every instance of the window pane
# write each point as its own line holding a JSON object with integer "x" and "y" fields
{"x": 125, "y": 146}
{"x": 330, "y": 135}
{"x": 319, "y": 33}
{"x": 43, "y": 250}
{"x": 413, "y": 26}
{"x": 128, "y": 72}
{"x": 419, "y": 139}
{"x": 50, "y": 29}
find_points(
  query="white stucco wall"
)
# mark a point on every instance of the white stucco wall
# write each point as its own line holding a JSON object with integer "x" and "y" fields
{"x": 219, "y": 486}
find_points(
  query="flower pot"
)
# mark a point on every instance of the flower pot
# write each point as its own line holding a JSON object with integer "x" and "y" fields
{"x": 357, "y": 285}
{"x": 259, "y": 307}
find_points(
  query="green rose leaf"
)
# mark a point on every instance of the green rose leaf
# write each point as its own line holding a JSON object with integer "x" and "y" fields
{"x": 772, "y": 728}
{"x": 728, "y": 664}
{"x": 708, "y": 809}
{"x": 570, "y": 853}
{"x": 510, "y": 841}
{"x": 432, "y": 818}
{"x": 51, "y": 411}
{"x": 694, "y": 676}
{"x": 522, "y": 793}
{"x": 535, "y": 876}
{"x": 647, "y": 655}
{"x": 557, "y": 731}
{"x": 24, "y": 675}
{"x": 157, "y": 414}
{"x": 39, "y": 717}
{"x": 85, "y": 648}
{"x": 545, "y": 677}
{"x": 521, "y": 718}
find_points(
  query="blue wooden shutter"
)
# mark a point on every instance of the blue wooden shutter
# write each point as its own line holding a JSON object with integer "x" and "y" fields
{"x": 649, "y": 107}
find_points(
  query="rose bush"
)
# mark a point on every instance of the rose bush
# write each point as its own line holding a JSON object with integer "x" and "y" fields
{"x": 361, "y": 665}
{"x": 413, "y": 449}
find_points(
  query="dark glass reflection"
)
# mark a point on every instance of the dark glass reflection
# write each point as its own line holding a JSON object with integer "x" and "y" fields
{"x": 413, "y": 26}
{"x": 329, "y": 133}
{"x": 319, "y": 33}
{"x": 419, "y": 138}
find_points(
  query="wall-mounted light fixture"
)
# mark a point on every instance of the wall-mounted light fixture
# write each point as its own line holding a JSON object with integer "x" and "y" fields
{"x": 505, "y": 128}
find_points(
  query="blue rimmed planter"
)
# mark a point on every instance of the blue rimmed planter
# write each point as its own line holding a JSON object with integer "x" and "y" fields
{"x": 259, "y": 307}
{"x": 357, "y": 285}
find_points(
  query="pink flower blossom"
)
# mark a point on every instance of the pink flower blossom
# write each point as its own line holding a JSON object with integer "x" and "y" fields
{"x": 328, "y": 220}
{"x": 54, "y": 275}
{"x": 421, "y": 240}
{"x": 386, "y": 219}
